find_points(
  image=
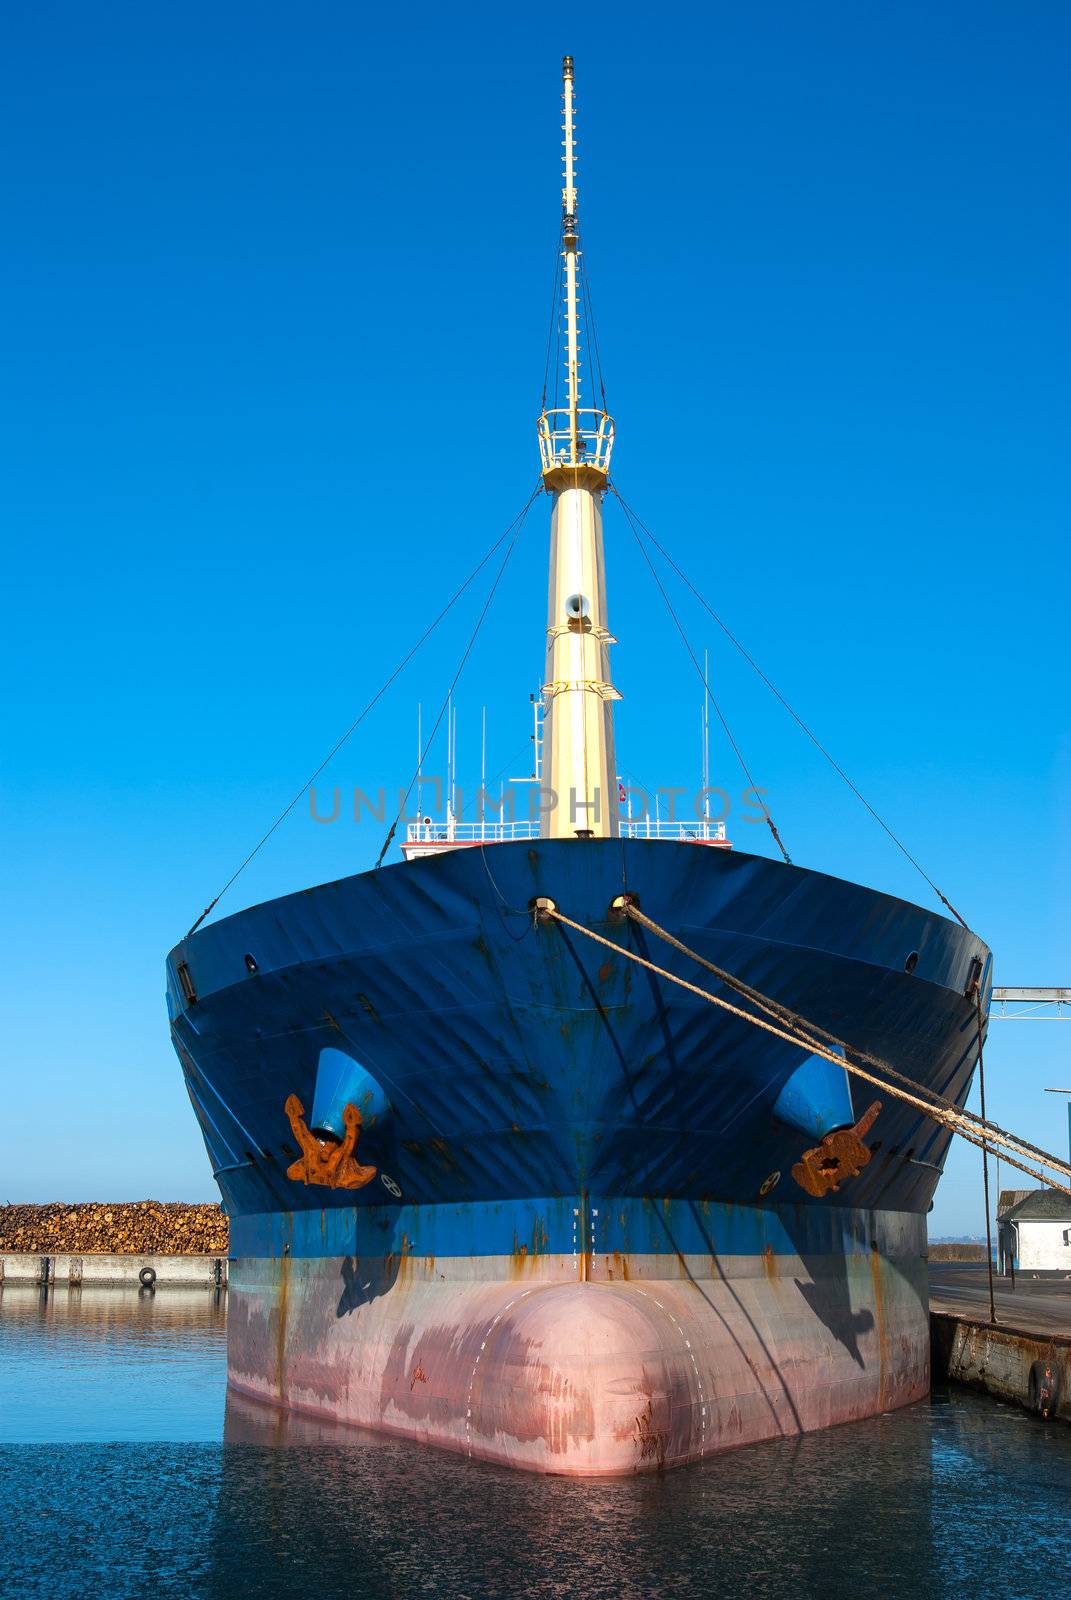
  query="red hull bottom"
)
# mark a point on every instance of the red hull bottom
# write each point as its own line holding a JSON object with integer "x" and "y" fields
{"x": 532, "y": 1369}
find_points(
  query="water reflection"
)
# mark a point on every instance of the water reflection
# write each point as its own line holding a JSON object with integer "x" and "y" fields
{"x": 798, "y": 1517}
{"x": 111, "y": 1364}
{"x": 956, "y": 1497}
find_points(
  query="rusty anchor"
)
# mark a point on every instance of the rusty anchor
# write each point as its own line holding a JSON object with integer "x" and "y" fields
{"x": 328, "y": 1162}
{"x": 841, "y": 1154}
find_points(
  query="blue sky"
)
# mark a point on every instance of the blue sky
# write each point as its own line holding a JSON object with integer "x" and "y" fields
{"x": 276, "y": 286}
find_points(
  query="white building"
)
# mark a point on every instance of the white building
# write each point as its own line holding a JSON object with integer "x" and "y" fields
{"x": 1034, "y": 1231}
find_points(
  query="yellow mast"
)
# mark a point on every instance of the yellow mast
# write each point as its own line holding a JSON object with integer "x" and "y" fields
{"x": 575, "y": 444}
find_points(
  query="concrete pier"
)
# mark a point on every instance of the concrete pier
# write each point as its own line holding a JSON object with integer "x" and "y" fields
{"x": 1025, "y": 1356}
{"x": 120, "y": 1271}
{"x": 1010, "y": 1363}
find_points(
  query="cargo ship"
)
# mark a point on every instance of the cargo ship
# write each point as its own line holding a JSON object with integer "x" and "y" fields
{"x": 515, "y": 1162}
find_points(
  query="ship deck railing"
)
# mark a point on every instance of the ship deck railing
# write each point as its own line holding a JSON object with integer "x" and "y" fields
{"x": 435, "y": 836}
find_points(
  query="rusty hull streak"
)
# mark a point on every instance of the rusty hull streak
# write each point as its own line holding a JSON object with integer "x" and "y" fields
{"x": 281, "y": 1311}
{"x": 879, "y": 1321}
{"x": 650, "y": 1441}
{"x": 561, "y": 1376}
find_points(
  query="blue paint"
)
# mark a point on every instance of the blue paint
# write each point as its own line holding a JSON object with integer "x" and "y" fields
{"x": 817, "y": 1098}
{"x": 524, "y": 1061}
{"x": 554, "y": 1225}
{"x": 342, "y": 1081}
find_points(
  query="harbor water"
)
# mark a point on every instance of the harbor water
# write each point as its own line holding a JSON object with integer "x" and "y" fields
{"x": 126, "y": 1469}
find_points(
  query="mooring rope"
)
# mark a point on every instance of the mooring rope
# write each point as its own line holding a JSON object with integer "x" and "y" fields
{"x": 810, "y": 1030}
{"x": 967, "y": 1125}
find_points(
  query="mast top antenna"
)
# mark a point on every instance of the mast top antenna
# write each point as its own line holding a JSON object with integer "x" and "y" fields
{"x": 573, "y": 439}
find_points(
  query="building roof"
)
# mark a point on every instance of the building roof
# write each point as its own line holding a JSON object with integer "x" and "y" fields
{"x": 1033, "y": 1205}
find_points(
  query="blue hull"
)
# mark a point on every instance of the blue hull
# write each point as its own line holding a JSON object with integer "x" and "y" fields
{"x": 553, "y": 1122}
{"x": 525, "y": 1061}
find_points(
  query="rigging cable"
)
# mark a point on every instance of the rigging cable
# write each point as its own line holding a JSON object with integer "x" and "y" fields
{"x": 380, "y": 692}
{"x": 798, "y": 719}
{"x": 517, "y": 525}
{"x": 555, "y": 292}
{"x": 703, "y": 680}
{"x": 589, "y": 317}
{"x": 985, "y": 1159}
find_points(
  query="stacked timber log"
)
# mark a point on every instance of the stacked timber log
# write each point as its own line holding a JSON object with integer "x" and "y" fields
{"x": 138, "y": 1228}
{"x": 957, "y": 1250}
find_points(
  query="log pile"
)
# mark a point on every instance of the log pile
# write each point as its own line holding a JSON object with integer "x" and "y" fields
{"x": 137, "y": 1228}
{"x": 957, "y": 1250}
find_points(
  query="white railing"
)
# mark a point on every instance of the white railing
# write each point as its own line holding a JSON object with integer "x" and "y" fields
{"x": 491, "y": 832}
{"x": 594, "y": 439}
{"x": 700, "y": 831}
{"x": 486, "y": 832}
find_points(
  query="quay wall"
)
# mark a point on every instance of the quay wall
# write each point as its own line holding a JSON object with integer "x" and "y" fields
{"x": 120, "y": 1271}
{"x": 1031, "y": 1368}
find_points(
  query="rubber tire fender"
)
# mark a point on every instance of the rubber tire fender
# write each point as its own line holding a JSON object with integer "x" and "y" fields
{"x": 147, "y": 1277}
{"x": 1044, "y": 1389}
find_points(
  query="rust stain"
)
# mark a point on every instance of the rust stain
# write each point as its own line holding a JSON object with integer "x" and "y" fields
{"x": 419, "y": 1376}
{"x": 879, "y": 1318}
{"x": 442, "y": 1150}
{"x": 280, "y": 1326}
{"x": 650, "y": 1440}
{"x": 521, "y": 1259}
{"x": 329, "y": 1019}
{"x": 367, "y": 1006}
{"x": 606, "y": 972}
{"x": 769, "y": 1262}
